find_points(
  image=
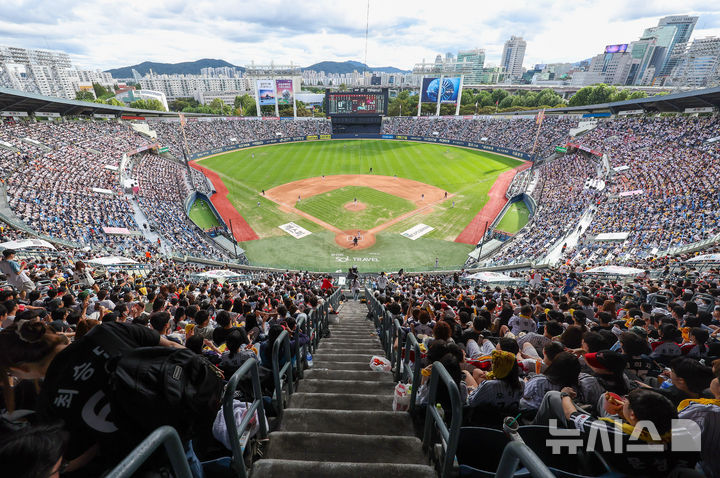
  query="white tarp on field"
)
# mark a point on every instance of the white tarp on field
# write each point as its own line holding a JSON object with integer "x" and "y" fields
{"x": 417, "y": 231}
{"x": 294, "y": 230}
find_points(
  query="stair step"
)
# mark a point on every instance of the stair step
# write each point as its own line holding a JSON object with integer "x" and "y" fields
{"x": 339, "y": 342}
{"x": 346, "y": 386}
{"x": 344, "y": 448}
{"x": 340, "y": 401}
{"x": 341, "y": 330}
{"x": 331, "y": 365}
{"x": 322, "y": 469}
{"x": 355, "y": 350}
{"x": 349, "y": 346}
{"x": 320, "y": 355}
{"x": 349, "y": 422}
{"x": 352, "y": 326}
{"x": 361, "y": 334}
{"x": 320, "y": 373}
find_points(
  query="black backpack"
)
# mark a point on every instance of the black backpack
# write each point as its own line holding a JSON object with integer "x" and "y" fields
{"x": 154, "y": 386}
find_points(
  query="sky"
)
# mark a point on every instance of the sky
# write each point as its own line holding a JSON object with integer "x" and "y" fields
{"x": 103, "y": 34}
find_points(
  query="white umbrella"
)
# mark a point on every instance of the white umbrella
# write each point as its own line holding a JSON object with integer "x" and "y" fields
{"x": 111, "y": 261}
{"x": 26, "y": 244}
{"x": 616, "y": 270}
{"x": 492, "y": 277}
{"x": 702, "y": 258}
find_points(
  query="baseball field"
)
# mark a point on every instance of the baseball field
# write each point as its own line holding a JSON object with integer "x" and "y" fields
{"x": 343, "y": 203}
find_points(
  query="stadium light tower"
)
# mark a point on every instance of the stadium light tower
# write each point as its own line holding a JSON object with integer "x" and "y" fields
{"x": 271, "y": 78}
{"x": 441, "y": 70}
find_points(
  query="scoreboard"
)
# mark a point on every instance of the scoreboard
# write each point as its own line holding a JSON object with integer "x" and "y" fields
{"x": 357, "y": 102}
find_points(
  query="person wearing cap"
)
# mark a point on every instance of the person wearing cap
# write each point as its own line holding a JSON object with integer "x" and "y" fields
{"x": 499, "y": 388}
{"x": 608, "y": 368}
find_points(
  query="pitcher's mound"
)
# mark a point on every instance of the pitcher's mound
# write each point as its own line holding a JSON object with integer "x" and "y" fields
{"x": 345, "y": 239}
{"x": 354, "y": 206}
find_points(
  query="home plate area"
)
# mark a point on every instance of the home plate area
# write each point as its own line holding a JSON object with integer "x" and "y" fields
{"x": 355, "y": 239}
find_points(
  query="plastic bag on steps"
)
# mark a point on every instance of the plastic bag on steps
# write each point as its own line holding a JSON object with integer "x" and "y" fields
{"x": 401, "y": 397}
{"x": 219, "y": 429}
{"x": 380, "y": 364}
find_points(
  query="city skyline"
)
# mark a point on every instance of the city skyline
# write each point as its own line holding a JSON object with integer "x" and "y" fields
{"x": 282, "y": 31}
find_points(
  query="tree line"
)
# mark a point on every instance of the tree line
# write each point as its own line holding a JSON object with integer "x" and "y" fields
{"x": 404, "y": 104}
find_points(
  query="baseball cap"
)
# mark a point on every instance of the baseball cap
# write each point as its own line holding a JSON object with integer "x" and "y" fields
{"x": 606, "y": 360}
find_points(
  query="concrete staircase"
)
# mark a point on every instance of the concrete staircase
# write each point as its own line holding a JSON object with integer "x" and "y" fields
{"x": 340, "y": 422}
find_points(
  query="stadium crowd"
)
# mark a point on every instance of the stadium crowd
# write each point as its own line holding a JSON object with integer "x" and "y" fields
{"x": 562, "y": 198}
{"x": 569, "y": 347}
{"x": 70, "y": 314}
{"x": 574, "y": 348}
{"x": 660, "y": 189}
{"x": 63, "y": 180}
{"x": 207, "y": 135}
{"x": 162, "y": 189}
{"x": 516, "y": 133}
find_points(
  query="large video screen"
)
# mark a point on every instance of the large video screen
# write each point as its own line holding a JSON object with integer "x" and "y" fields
{"x": 349, "y": 103}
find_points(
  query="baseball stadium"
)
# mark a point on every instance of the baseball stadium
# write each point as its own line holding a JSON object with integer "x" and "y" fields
{"x": 442, "y": 272}
{"x": 378, "y": 191}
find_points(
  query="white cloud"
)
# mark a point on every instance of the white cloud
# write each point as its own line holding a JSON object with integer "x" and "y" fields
{"x": 105, "y": 34}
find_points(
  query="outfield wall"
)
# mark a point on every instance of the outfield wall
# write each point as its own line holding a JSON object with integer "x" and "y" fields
{"x": 423, "y": 139}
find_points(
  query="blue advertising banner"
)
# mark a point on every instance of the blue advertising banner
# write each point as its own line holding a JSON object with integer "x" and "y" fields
{"x": 448, "y": 93}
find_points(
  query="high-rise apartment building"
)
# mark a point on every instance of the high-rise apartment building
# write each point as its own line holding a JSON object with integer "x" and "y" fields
{"x": 513, "y": 56}
{"x": 48, "y": 73}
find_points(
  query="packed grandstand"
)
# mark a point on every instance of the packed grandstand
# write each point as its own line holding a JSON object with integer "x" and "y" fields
{"x": 121, "y": 266}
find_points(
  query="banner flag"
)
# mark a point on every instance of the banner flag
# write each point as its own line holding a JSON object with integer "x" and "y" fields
{"x": 284, "y": 91}
{"x": 266, "y": 92}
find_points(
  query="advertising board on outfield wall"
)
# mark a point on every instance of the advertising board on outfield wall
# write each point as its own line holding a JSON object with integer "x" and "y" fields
{"x": 423, "y": 139}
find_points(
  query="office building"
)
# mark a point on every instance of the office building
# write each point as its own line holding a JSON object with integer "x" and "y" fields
{"x": 697, "y": 64}
{"x": 470, "y": 63}
{"x": 512, "y": 57}
{"x": 684, "y": 26}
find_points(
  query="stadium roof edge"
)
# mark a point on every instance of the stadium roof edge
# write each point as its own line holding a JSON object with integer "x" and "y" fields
{"x": 672, "y": 103}
{"x": 16, "y": 100}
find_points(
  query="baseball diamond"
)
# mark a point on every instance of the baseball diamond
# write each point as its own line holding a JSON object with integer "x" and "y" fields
{"x": 327, "y": 187}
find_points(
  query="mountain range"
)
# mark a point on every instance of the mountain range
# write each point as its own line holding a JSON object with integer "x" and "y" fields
{"x": 183, "y": 68}
{"x": 194, "y": 67}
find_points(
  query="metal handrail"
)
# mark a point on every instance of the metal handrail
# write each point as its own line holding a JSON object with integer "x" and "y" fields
{"x": 234, "y": 430}
{"x": 411, "y": 345}
{"x": 165, "y": 435}
{"x": 433, "y": 420}
{"x": 516, "y": 453}
{"x": 301, "y": 352}
{"x": 283, "y": 341}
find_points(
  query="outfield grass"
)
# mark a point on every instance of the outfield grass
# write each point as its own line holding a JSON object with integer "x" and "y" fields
{"x": 466, "y": 173}
{"x": 515, "y": 218}
{"x": 202, "y": 215}
{"x": 380, "y": 207}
